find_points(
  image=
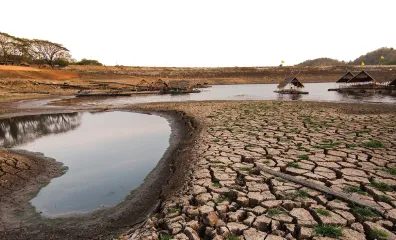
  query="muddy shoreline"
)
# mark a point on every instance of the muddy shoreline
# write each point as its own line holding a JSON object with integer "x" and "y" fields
{"x": 24, "y": 223}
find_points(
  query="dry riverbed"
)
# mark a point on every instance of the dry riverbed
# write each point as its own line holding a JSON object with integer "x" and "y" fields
{"x": 283, "y": 170}
{"x": 240, "y": 170}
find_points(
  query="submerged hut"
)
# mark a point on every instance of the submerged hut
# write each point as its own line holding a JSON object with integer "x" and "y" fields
{"x": 159, "y": 85}
{"x": 362, "y": 78}
{"x": 143, "y": 86}
{"x": 179, "y": 87}
{"x": 291, "y": 85}
{"x": 344, "y": 79}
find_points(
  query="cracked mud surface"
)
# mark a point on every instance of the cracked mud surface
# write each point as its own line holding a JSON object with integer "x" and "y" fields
{"x": 344, "y": 148}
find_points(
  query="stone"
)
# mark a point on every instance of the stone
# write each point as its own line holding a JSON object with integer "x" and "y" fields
{"x": 262, "y": 223}
{"x": 371, "y": 228}
{"x": 253, "y": 234}
{"x": 358, "y": 227}
{"x": 191, "y": 234}
{"x": 237, "y": 216}
{"x": 348, "y": 234}
{"x": 255, "y": 198}
{"x": 303, "y": 217}
{"x": 211, "y": 219}
{"x": 333, "y": 219}
{"x": 236, "y": 228}
{"x": 249, "y": 221}
{"x": 305, "y": 233}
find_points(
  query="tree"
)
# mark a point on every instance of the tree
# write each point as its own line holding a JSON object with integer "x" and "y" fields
{"x": 5, "y": 47}
{"x": 91, "y": 62}
{"x": 46, "y": 51}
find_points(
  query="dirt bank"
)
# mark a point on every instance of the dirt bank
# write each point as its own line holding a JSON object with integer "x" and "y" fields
{"x": 28, "y": 82}
{"x": 19, "y": 221}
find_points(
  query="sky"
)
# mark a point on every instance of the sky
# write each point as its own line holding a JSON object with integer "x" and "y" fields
{"x": 190, "y": 33}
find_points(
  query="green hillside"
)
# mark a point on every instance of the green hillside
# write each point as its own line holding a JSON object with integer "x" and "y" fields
{"x": 374, "y": 57}
{"x": 321, "y": 62}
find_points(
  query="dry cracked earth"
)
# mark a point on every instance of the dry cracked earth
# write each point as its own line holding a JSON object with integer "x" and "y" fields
{"x": 284, "y": 170}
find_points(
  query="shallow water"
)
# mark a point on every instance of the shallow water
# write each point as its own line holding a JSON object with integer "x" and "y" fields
{"x": 317, "y": 92}
{"x": 108, "y": 155}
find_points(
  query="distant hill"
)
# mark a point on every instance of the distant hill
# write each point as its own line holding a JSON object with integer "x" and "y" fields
{"x": 370, "y": 58}
{"x": 322, "y": 62}
{"x": 374, "y": 57}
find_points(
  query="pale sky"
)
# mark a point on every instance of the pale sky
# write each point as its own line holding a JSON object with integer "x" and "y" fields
{"x": 205, "y": 33}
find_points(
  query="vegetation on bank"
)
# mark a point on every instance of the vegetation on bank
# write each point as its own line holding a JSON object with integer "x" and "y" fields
{"x": 381, "y": 56}
{"x": 23, "y": 51}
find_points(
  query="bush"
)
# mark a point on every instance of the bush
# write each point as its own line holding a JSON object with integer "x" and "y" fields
{"x": 90, "y": 62}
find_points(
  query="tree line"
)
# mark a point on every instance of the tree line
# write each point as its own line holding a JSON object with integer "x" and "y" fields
{"x": 23, "y": 51}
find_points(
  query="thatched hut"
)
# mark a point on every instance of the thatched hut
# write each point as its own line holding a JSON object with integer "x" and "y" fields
{"x": 291, "y": 82}
{"x": 362, "y": 78}
{"x": 344, "y": 79}
{"x": 293, "y": 85}
{"x": 182, "y": 85}
{"x": 159, "y": 85}
{"x": 143, "y": 86}
{"x": 393, "y": 83}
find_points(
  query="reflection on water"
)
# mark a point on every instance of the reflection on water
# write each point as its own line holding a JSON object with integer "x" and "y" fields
{"x": 317, "y": 92}
{"x": 18, "y": 130}
{"x": 108, "y": 155}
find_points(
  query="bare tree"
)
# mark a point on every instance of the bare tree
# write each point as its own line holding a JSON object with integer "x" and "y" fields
{"x": 47, "y": 51}
{"x": 6, "y": 47}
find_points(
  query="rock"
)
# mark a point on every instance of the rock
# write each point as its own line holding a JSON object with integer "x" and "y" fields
{"x": 258, "y": 210}
{"x": 220, "y": 223}
{"x": 348, "y": 234}
{"x": 358, "y": 227}
{"x": 372, "y": 230}
{"x": 274, "y": 237}
{"x": 205, "y": 209}
{"x": 249, "y": 221}
{"x": 203, "y": 198}
{"x": 255, "y": 198}
{"x": 305, "y": 233}
{"x": 303, "y": 217}
{"x": 253, "y": 234}
{"x": 191, "y": 234}
{"x": 333, "y": 219}
{"x": 262, "y": 223}
{"x": 196, "y": 189}
{"x": 347, "y": 215}
{"x": 335, "y": 204}
{"x": 391, "y": 214}
{"x": 237, "y": 216}
{"x": 236, "y": 228}
{"x": 271, "y": 204}
{"x": 211, "y": 219}
{"x": 180, "y": 236}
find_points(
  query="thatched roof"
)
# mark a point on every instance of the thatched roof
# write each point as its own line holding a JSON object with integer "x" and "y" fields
{"x": 348, "y": 76}
{"x": 160, "y": 83}
{"x": 362, "y": 77}
{"x": 291, "y": 80}
{"x": 143, "y": 83}
{"x": 182, "y": 84}
{"x": 393, "y": 83}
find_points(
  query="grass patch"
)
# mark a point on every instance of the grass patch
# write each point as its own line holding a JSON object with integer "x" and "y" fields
{"x": 166, "y": 237}
{"x": 294, "y": 165}
{"x": 362, "y": 211}
{"x": 354, "y": 189}
{"x": 380, "y": 233}
{"x": 391, "y": 171}
{"x": 381, "y": 186}
{"x": 303, "y": 157}
{"x": 173, "y": 210}
{"x": 222, "y": 199}
{"x": 274, "y": 211}
{"x": 300, "y": 148}
{"x": 281, "y": 180}
{"x": 233, "y": 238}
{"x": 327, "y": 144}
{"x": 373, "y": 144}
{"x": 323, "y": 212}
{"x": 351, "y": 146}
{"x": 328, "y": 231}
{"x": 252, "y": 134}
{"x": 245, "y": 168}
{"x": 216, "y": 140}
{"x": 211, "y": 116}
{"x": 216, "y": 185}
{"x": 384, "y": 198}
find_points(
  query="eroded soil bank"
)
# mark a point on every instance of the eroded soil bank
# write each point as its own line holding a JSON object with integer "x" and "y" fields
{"x": 252, "y": 162}
{"x": 23, "y": 174}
